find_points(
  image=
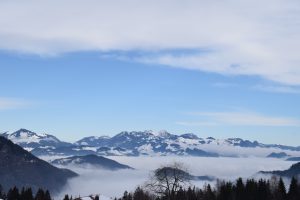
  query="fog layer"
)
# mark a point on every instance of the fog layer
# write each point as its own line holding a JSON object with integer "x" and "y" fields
{"x": 114, "y": 183}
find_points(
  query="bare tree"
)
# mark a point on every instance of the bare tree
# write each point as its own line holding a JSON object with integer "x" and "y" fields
{"x": 167, "y": 180}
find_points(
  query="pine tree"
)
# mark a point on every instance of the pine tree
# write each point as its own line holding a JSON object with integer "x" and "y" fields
{"x": 29, "y": 195}
{"x": 208, "y": 193}
{"x": 239, "y": 189}
{"x": 263, "y": 190}
{"x": 280, "y": 192}
{"x": 47, "y": 195}
{"x": 140, "y": 194}
{"x": 251, "y": 190}
{"x": 13, "y": 194}
{"x": 1, "y": 192}
{"x": 66, "y": 197}
{"x": 181, "y": 194}
{"x": 225, "y": 191}
{"x": 127, "y": 196}
{"x": 22, "y": 194}
{"x": 190, "y": 194}
{"x": 26, "y": 194}
{"x": 293, "y": 193}
{"x": 40, "y": 195}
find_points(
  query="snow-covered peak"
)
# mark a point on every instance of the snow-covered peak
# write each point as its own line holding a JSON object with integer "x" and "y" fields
{"x": 24, "y": 136}
{"x": 135, "y": 134}
{"x": 163, "y": 134}
{"x": 234, "y": 140}
{"x": 93, "y": 140}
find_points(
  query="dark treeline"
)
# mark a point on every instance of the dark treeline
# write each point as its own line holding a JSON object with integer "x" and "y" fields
{"x": 273, "y": 189}
{"x": 24, "y": 194}
{"x": 249, "y": 190}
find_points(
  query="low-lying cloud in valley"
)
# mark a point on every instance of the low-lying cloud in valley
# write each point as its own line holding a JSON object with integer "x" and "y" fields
{"x": 114, "y": 183}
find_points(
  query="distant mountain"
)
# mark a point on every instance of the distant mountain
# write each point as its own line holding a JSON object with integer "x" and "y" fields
{"x": 190, "y": 136}
{"x": 30, "y": 140}
{"x": 93, "y": 141}
{"x": 148, "y": 143}
{"x": 293, "y": 159}
{"x": 200, "y": 153}
{"x": 92, "y": 160}
{"x": 20, "y": 168}
{"x": 137, "y": 143}
{"x": 277, "y": 155}
{"x": 293, "y": 171}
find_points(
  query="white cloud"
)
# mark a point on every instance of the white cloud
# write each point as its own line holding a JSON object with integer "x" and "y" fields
{"x": 8, "y": 103}
{"x": 239, "y": 119}
{"x": 250, "y": 37}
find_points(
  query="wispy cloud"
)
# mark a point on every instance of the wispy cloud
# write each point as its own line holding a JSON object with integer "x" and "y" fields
{"x": 278, "y": 89}
{"x": 238, "y": 119}
{"x": 10, "y": 103}
{"x": 251, "y": 37}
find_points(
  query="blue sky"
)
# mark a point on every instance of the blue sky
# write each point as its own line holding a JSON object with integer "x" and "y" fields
{"x": 82, "y": 94}
{"x": 221, "y": 69}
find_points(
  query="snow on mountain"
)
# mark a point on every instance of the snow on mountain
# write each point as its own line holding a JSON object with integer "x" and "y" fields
{"x": 163, "y": 134}
{"x": 92, "y": 161}
{"x": 30, "y": 140}
{"x": 93, "y": 140}
{"x": 136, "y": 143}
{"x": 164, "y": 143}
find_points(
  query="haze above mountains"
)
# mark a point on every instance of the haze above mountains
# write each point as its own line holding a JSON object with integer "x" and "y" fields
{"x": 148, "y": 143}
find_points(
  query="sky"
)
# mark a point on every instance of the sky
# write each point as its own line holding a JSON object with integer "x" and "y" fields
{"x": 75, "y": 68}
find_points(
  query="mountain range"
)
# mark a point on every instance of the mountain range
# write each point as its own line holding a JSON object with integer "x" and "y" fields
{"x": 145, "y": 143}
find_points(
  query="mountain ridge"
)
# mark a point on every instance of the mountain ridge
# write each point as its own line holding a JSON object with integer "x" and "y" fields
{"x": 293, "y": 171}
{"x": 136, "y": 143}
{"x": 92, "y": 160}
